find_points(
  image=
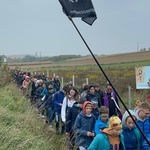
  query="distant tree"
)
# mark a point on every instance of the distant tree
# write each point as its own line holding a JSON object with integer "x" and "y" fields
{"x": 63, "y": 57}
{"x": 29, "y": 58}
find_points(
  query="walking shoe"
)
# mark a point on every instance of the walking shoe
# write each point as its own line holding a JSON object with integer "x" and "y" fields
{"x": 50, "y": 128}
{"x": 43, "y": 116}
{"x": 46, "y": 121}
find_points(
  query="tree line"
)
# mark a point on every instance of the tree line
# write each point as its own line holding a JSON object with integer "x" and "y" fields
{"x": 29, "y": 58}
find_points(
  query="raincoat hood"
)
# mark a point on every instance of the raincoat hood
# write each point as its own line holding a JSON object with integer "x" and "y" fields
{"x": 126, "y": 114}
{"x": 84, "y": 106}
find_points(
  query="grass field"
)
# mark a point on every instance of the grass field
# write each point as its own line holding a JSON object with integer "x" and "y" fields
{"x": 21, "y": 127}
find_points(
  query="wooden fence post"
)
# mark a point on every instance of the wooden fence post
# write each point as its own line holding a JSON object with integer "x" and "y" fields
{"x": 129, "y": 95}
{"x": 87, "y": 81}
{"x": 62, "y": 82}
{"x": 73, "y": 80}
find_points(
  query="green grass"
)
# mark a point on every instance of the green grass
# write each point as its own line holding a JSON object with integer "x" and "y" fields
{"x": 85, "y": 67}
{"x": 21, "y": 128}
{"x": 128, "y": 64}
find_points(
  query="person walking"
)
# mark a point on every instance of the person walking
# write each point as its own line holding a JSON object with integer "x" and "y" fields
{"x": 58, "y": 100}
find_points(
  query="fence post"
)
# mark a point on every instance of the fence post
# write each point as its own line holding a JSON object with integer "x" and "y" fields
{"x": 87, "y": 81}
{"x": 47, "y": 73}
{"x": 73, "y": 80}
{"x": 129, "y": 95}
{"x": 62, "y": 82}
{"x": 31, "y": 73}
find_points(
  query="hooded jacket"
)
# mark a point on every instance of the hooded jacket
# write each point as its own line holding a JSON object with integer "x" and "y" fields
{"x": 145, "y": 145}
{"x": 26, "y": 82}
{"x": 83, "y": 124}
{"x": 101, "y": 141}
{"x": 93, "y": 98}
{"x": 143, "y": 124}
{"x": 132, "y": 137}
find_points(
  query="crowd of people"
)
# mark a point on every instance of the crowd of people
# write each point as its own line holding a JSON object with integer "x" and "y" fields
{"x": 90, "y": 117}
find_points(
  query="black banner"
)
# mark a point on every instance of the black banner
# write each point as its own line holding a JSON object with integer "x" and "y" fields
{"x": 79, "y": 8}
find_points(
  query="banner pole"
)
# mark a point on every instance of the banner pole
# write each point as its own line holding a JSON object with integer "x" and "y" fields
{"x": 108, "y": 79}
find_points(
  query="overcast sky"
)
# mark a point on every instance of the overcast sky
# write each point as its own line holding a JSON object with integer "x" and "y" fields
{"x": 40, "y": 26}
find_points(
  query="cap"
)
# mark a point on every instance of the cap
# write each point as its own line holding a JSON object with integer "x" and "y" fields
{"x": 115, "y": 122}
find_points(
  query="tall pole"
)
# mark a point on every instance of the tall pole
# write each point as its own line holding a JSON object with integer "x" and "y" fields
{"x": 40, "y": 56}
{"x": 138, "y": 47}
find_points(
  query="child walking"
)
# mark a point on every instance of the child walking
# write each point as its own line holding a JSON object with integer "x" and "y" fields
{"x": 102, "y": 121}
{"x": 70, "y": 121}
{"x": 84, "y": 126}
{"x": 110, "y": 138}
{"x": 132, "y": 136}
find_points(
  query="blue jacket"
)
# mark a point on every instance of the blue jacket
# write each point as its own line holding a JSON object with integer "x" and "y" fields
{"x": 49, "y": 100}
{"x": 57, "y": 99}
{"x": 132, "y": 137}
{"x": 100, "y": 125}
{"x": 143, "y": 124}
{"x": 101, "y": 142}
{"x": 44, "y": 92}
{"x": 145, "y": 145}
{"x": 83, "y": 124}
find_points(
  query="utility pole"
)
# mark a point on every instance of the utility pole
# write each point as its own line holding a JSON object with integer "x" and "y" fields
{"x": 36, "y": 55}
{"x": 138, "y": 46}
{"x": 40, "y": 56}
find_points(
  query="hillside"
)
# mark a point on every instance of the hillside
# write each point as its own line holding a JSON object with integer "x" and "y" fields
{"x": 116, "y": 58}
{"x": 104, "y": 59}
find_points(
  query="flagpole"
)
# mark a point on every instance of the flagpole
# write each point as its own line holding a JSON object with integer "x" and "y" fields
{"x": 108, "y": 79}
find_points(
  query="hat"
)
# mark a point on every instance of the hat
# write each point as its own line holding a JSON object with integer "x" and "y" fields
{"x": 114, "y": 122}
{"x": 85, "y": 104}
